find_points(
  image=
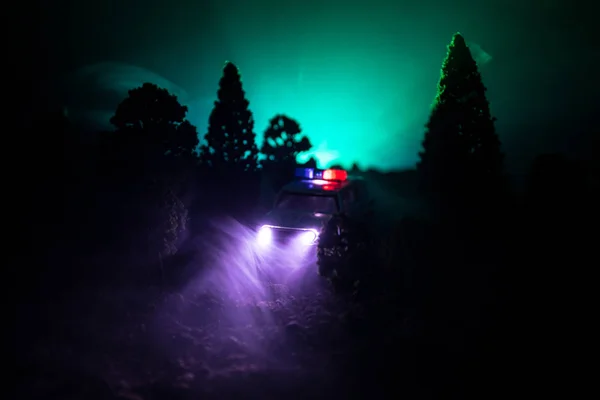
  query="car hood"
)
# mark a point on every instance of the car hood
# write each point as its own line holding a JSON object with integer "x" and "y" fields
{"x": 292, "y": 219}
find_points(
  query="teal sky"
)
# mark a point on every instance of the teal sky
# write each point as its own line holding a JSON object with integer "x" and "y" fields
{"x": 359, "y": 76}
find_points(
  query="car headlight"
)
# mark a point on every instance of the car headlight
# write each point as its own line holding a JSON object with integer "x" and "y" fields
{"x": 308, "y": 237}
{"x": 264, "y": 235}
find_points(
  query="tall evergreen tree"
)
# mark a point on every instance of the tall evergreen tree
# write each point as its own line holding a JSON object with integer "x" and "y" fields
{"x": 230, "y": 140}
{"x": 461, "y": 150}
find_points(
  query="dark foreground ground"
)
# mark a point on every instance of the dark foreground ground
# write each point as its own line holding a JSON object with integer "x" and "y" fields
{"x": 291, "y": 342}
{"x": 223, "y": 334}
{"x": 150, "y": 344}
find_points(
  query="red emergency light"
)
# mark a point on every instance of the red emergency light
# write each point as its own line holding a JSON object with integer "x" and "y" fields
{"x": 335, "y": 175}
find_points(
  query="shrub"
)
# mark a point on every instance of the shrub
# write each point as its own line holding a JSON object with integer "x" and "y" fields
{"x": 171, "y": 223}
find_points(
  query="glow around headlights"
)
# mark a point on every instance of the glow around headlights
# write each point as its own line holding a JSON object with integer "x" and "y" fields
{"x": 308, "y": 237}
{"x": 264, "y": 236}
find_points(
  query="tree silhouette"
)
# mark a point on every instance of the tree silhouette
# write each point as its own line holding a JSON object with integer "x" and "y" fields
{"x": 461, "y": 150}
{"x": 282, "y": 144}
{"x": 148, "y": 160}
{"x": 282, "y": 141}
{"x": 153, "y": 121}
{"x": 152, "y": 139}
{"x": 230, "y": 140}
{"x": 310, "y": 163}
{"x": 148, "y": 106}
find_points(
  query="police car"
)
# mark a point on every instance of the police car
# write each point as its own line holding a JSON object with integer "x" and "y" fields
{"x": 303, "y": 206}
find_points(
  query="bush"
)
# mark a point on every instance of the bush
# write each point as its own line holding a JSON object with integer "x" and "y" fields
{"x": 152, "y": 225}
{"x": 171, "y": 222}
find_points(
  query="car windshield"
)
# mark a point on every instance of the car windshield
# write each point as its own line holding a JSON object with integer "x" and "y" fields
{"x": 307, "y": 203}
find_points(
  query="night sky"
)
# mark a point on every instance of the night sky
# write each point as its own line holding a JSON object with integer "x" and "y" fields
{"x": 359, "y": 76}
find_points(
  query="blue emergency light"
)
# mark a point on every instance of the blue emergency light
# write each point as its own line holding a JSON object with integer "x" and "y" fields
{"x": 305, "y": 173}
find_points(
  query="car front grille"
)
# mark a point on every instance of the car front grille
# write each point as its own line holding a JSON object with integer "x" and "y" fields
{"x": 286, "y": 235}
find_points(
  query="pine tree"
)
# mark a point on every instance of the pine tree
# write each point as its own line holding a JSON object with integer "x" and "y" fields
{"x": 461, "y": 150}
{"x": 230, "y": 140}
